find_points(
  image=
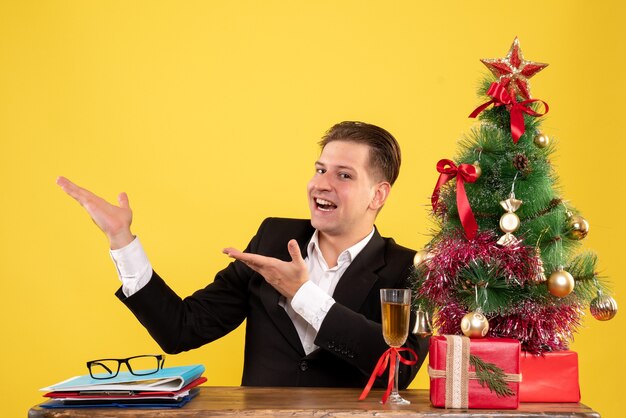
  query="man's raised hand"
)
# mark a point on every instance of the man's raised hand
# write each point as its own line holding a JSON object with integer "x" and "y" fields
{"x": 113, "y": 220}
{"x": 285, "y": 276}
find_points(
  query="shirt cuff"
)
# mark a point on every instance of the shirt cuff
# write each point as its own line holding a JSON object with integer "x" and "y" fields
{"x": 133, "y": 267}
{"x": 312, "y": 304}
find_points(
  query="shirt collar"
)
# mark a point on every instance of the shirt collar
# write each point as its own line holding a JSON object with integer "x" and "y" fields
{"x": 347, "y": 255}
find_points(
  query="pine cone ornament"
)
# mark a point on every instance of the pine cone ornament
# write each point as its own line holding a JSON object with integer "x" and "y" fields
{"x": 521, "y": 163}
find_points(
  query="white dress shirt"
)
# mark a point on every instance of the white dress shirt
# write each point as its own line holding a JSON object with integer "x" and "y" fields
{"x": 308, "y": 307}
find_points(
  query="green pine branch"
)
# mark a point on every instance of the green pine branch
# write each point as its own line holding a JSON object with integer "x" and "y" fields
{"x": 583, "y": 268}
{"x": 419, "y": 274}
{"x": 481, "y": 285}
{"x": 491, "y": 376}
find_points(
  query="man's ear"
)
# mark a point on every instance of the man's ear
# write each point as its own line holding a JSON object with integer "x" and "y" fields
{"x": 381, "y": 192}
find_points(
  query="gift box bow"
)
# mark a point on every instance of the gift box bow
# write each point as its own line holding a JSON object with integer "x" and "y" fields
{"x": 458, "y": 374}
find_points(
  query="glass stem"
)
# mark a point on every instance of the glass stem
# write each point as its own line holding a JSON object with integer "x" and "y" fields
{"x": 394, "y": 391}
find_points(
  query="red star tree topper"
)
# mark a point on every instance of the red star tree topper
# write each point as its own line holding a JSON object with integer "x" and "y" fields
{"x": 514, "y": 71}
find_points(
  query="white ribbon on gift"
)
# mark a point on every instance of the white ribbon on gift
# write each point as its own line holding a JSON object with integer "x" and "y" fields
{"x": 457, "y": 367}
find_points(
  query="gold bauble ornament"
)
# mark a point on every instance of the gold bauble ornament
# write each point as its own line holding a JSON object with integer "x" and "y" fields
{"x": 603, "y": 307}
{"x": 541, "y": 140}
{"x": 475, "y": 325}
{"x": 578, "y": 227}
{"x": 509, "y": 222}
{"x": 479, "y": 171}
{"x": 421, "y": 257}
{"x": 560, "y": 283}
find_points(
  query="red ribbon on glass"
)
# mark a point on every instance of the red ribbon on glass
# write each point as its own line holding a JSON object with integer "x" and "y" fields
{"x": 388, "y": 358}
{"x": 464, "y": 173}
{"x": 501, "y": 97}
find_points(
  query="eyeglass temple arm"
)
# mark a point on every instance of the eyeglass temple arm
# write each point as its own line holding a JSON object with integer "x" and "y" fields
{"x": 100, "y": 364}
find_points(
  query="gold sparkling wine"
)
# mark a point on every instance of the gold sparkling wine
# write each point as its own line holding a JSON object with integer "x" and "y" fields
{"x": 395, "y": 323}
{"x": 396, "y": 311}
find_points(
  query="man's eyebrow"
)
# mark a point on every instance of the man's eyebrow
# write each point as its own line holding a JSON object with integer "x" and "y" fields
{"x": 345, "y": 167}
{"x": 338, "y": 167}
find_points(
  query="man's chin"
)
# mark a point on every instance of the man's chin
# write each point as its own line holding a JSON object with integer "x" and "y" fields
{"x": 323, "y": 225}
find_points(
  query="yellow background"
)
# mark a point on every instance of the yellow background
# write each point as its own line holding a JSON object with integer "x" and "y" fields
{"x": 207, "y": 113}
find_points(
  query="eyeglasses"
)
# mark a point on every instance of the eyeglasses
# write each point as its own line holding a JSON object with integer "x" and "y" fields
{"x": 108, "y": 368}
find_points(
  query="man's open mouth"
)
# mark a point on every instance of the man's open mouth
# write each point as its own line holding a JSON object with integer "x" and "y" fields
{"x": 324, "y": 205}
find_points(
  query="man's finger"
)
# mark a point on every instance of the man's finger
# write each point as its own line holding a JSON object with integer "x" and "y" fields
{"x": 253, "y": 260}
{"x": 231, "y": 252}
{"x": 71, "y": 189}
{"x": 65, "y": 184}
{"x": 294, "y": 251}
{"x": 123, "y": 200}
{"x": 61, "y": 181}
{"x": 238, "y": 255}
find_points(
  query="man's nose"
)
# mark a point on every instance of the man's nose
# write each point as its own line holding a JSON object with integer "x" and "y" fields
{"x": 321, "y": 182}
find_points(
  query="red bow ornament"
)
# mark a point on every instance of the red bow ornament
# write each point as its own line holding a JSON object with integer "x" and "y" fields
{"x": 465, "y": 173}
{"x": 501, "y": 97}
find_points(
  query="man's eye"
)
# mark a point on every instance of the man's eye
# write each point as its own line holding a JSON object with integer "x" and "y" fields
{"x": 320, "y": 171}
{"x": 345, "y": 176}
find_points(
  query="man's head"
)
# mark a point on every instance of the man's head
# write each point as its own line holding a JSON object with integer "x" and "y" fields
{"x": 352, "y": 180}
{"x": 385, "y": 155}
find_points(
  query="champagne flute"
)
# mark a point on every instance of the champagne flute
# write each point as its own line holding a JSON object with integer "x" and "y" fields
{"x": 396, "y": 309}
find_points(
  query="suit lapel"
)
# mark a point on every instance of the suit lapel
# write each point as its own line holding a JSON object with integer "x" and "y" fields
{"x": 277, "y": 313}
{"x": 358, "y": 280}
{"x": 270, "y": 296}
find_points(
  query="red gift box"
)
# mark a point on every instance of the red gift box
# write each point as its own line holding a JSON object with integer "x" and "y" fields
{"x": 551, "y": 377}
{"x": 453, "y": 383}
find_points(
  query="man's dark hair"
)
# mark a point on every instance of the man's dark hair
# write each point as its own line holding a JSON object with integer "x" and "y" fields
{"x": 384, "y": 149}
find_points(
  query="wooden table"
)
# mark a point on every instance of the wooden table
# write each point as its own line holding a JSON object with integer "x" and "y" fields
{"x": 215, "y": 401}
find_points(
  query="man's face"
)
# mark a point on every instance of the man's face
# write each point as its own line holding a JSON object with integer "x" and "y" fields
{"x": 343, "y": 196}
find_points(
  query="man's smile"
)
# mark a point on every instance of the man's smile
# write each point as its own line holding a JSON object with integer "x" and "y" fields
{"x": 324, "y": 205}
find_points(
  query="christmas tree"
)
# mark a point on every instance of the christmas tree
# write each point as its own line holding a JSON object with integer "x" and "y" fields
{"x": 505, "y": 260}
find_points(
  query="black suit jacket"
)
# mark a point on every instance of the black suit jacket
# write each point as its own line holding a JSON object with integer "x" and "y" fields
{"x": 350, "y": 337}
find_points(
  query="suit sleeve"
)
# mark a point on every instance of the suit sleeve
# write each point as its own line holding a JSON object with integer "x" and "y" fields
{"x": 358, "y": 340}
{"x": 178, "y": 324}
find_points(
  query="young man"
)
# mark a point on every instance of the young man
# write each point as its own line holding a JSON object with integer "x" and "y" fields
{"x": 309, "y": 289}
